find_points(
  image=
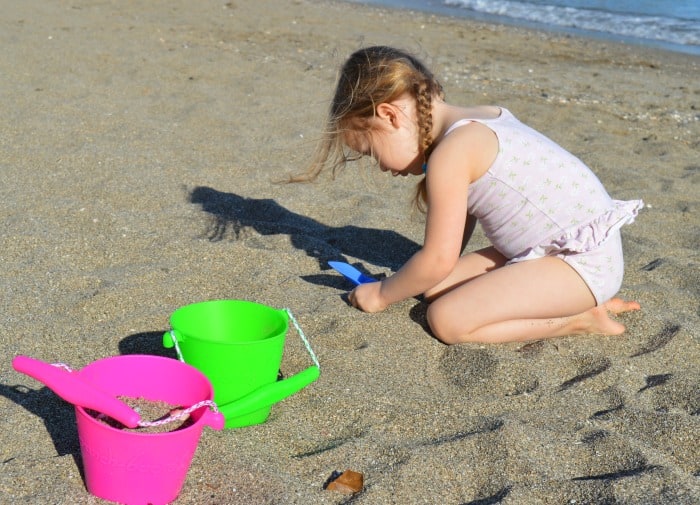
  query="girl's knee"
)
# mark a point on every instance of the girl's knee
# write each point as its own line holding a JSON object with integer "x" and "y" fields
{"x": 442, "y": 325}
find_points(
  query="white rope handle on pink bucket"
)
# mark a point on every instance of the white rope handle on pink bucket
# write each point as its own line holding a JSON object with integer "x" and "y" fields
{"x": 174, "y": 415}
{"x": 300, "y": 332}
{"x": 179, "y": 414}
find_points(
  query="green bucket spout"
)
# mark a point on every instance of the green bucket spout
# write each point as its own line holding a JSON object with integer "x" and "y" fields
{"x": 239, "y": 345}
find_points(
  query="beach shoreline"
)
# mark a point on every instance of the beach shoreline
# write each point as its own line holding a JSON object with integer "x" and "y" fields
{"x": 141, "y": 141}
{"x": 454, "y": 11}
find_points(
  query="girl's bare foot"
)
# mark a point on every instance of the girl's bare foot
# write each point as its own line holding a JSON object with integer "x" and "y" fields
{"x": 618, "y": 305}
{"x": 597, "y": 320}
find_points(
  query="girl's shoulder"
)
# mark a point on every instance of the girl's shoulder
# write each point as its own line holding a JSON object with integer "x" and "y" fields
{"x": 469, "y": 146}
{"x": 484, "y": 114}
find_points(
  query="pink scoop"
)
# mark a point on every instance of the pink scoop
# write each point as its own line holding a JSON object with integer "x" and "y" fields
{"x": 75, "y": 390}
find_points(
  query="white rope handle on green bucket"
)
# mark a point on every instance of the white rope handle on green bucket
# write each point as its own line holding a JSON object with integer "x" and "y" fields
{"x": 303, "y": 339}
{"x": 173, "y": 337}
{"x": 300, "y": 332}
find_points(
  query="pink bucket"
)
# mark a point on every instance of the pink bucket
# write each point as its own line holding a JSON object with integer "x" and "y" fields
{"x": 142, "y": 468}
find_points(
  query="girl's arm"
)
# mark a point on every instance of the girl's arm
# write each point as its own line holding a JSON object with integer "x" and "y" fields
{"x": 468, "y": 231}
{"x": 460, "y": 158}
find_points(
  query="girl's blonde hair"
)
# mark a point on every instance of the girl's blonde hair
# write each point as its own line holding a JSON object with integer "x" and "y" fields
{"x": 369, "y": 77}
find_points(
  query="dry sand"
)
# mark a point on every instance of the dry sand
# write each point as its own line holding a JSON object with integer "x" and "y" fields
{"x": 139, "y": 140}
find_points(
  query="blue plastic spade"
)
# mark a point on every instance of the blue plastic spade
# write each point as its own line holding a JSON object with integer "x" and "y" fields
{"x": 350, "y": 272}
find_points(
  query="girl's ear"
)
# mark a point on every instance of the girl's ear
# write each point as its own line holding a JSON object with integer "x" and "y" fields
{"x": 387, "y": 112}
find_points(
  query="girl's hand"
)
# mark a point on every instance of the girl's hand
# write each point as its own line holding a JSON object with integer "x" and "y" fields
{"x": 367, "y": 297}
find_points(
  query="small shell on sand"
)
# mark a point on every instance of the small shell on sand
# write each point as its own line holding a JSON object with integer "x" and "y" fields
{"x": 348, "y": 482}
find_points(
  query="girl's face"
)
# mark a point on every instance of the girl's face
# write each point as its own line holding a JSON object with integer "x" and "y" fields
{"x": 396, "y": 151}
{"x": 392, "y": 141}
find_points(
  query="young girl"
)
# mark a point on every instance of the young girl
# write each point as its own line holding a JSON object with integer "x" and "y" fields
{"x": 556, "y": 256}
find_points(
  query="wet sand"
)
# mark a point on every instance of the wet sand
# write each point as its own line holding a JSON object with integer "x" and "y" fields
{"x": 140, "y": 140}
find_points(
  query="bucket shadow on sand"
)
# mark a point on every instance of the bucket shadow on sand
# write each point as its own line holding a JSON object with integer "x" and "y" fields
{"x": 231, "y": 213}
{"x": 58, "y": 417}
{"x": 148, "y": 342}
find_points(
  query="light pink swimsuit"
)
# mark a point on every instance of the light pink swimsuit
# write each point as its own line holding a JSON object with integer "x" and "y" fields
{"x": 539, "y": 200}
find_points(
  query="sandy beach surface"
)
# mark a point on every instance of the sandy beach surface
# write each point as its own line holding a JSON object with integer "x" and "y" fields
{"x": 140, "y": 140}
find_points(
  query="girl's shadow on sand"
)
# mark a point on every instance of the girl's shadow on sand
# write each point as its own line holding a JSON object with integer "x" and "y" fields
{"x": 232, "y": 213}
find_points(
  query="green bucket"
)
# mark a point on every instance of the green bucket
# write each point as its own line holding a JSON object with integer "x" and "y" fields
{"x": 238, "y": 345}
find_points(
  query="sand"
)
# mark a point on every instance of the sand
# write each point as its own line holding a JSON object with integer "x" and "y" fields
{"x": 139, "y": 143}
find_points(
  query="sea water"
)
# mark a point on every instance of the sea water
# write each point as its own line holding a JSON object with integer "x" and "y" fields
{"x": 668, "y": 24}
